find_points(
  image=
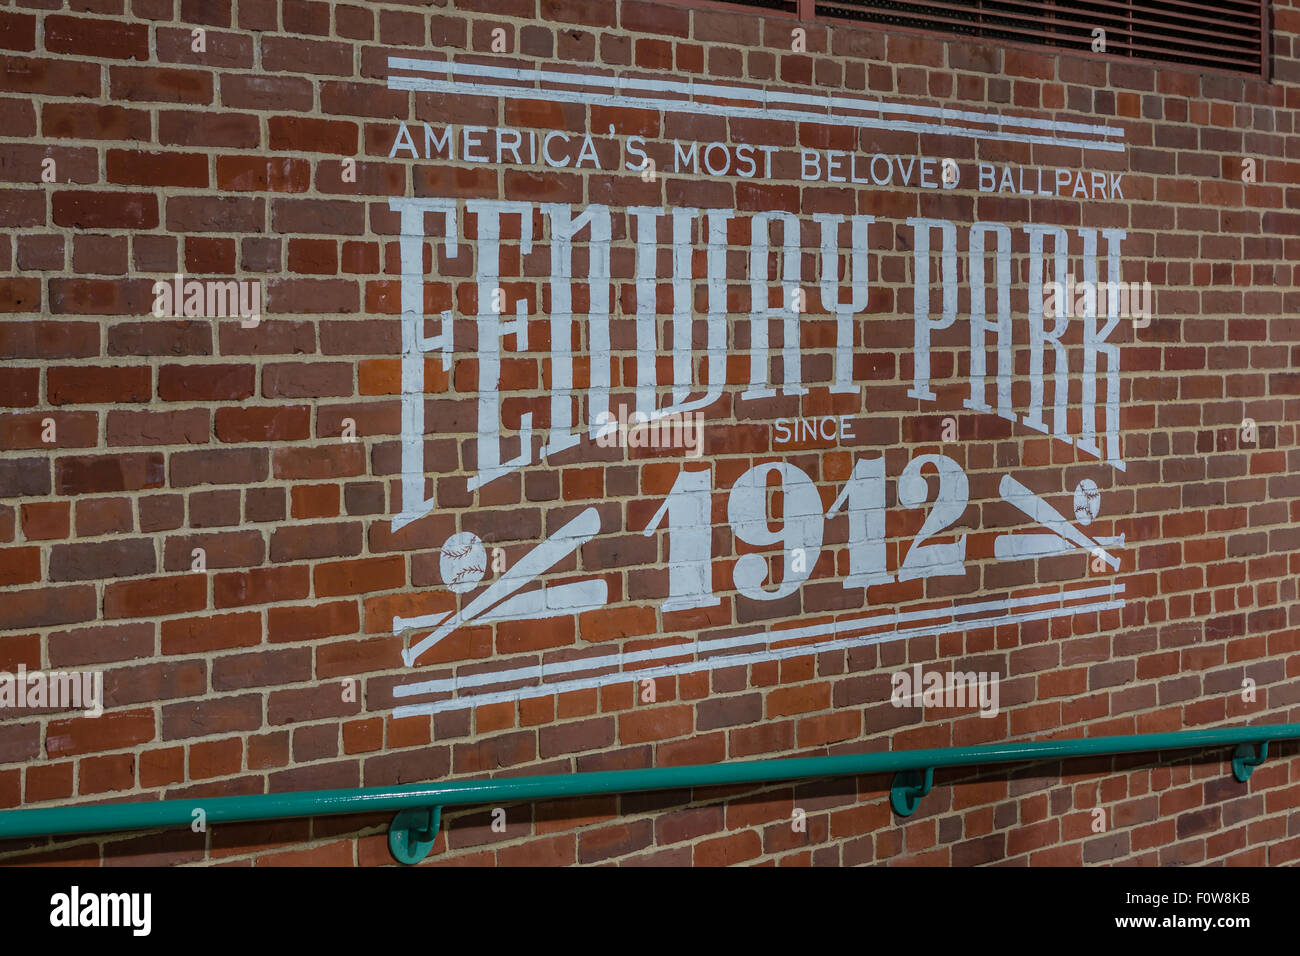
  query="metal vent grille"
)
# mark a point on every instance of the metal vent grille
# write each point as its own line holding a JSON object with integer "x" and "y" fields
{"x": 1216, "y": 34}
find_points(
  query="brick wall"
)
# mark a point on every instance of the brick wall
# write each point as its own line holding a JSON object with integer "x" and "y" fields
{"x": 265, "y": 147}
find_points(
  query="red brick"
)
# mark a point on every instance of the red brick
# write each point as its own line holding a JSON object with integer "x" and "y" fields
{"x": 87, "y": 385}
{"x": 279, "y": 174}
{"x": 209, "y": 716}
{"x": 44, "y": 520}
{"x": 223, "y": 50}
{"x": 655, "y": 723}
{"x": 106, "y": 774}
{"x": 19, "y": 387}
{"x": 254, "y": 92}
{"x": 307, "y": 380}
{"x": 205, "y": 383}
{"x": 33, "y": 430}
{"x": 613, "y": 841}
{"x": 124, "y": 296}
{"x": 215, "y": 758}
{"x": 728, "y": 850}
{"x": 235, "y": 549}
{"x": 27, "y": 163}
{"x": 313, "y": 256}
{"x": 49, "y": 77}
{"x": 120, "y": 558}
{"x": 314, "y": 501}
{"x": 17, "y": 31}
{"x": 335, "y": 460}
{"x": 89, "y": 121}
{"x": 162, "y": 766}
{"x": 224, "y": 130}
{"x": 101, "y": 644}
{"x": 216, "y": 632}
{"x": 51, "y": 781}
{"x": 114, "y": 730}
{"x": 312, "y": 622}
{"x": 227, "y": 466}
{"x": 214, "y": 214}
{"x": 213, "y": 13}
{"x": 99, "y": 255}
{"x": 40, "y": 253}
{"x": 289, "y": 54}
{"x": 115, "y": 210}
{"x": 138, "y": 168}
{"x": 97, "y": 516}
{"x": 210, "y": 254}
{"x": 154, "y": 597}
{"x": 590, "y": 12}
{"x": 268, "y": 750}
{"x": 84, "y": 37}
{"x": 95, "y": 474}
{"x": 263, "y": 424}
{"x": 294, "y": 543}
{"x": 361, "y": 576}
{"x": 261, "y": 586}
{"x": 160, "y": 84}
{"x": 160, "y": 337}
{"x": 19, "y": 566}
{"x": 262, "y": 669}
{"x": 313, "y": 703}
{"x": 20, "y": 295}
{"x": 188, "y": 426}
{"x": 312, "y": 135}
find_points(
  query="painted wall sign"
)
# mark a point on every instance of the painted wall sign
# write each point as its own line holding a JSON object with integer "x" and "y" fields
{"x": 712, "y": 347}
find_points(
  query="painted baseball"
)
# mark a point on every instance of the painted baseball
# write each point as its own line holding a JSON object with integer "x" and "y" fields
{"x": 463, "y": 561}
{"x": 1087, "y": 501}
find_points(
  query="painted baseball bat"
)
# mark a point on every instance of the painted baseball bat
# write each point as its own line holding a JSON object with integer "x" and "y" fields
{"x": 524, "y": 571}
{"x": 1031, "y": 505}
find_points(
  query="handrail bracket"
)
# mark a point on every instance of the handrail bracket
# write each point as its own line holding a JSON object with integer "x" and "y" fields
{"x": 908, "y": 788}
{"x": 1246, "y": 758}
{"x": 412, "y": 832}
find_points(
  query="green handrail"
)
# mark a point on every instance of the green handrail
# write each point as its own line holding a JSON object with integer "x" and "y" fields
{"x": 412, "y": 833}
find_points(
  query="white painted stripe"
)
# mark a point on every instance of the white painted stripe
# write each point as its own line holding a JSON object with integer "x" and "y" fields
{"x": 422, "y": 84}
{"x": 888, "y": 618}
{"x": 766, "y": 638}
{"x": 522, "y": 693}
{"x": 764, "y": 97}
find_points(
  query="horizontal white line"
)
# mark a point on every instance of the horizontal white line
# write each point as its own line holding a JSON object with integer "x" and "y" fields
{"x": 421, "y": 84}
{"x": 894, "y": 618}
{"x": 620, "y": 659}
{"x": 461, "y": 703}
{"x": 764, "y": 97}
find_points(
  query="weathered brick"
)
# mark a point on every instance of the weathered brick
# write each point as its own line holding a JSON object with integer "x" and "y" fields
{"x": 100, "y": 37}
{"x": 226, "y": 466}
{"x": 122, "y": 558}
{"x": 94, "y": 474}
{"x": 316, "y": 541}
{"x": 83, "y": 385}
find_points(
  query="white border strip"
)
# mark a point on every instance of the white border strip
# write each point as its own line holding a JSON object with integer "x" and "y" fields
{"x": 766, "y": 101}
{"x": 889, "y": 618}
{"x": 764, "y": 638}
{"x": 476, "y": 700}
